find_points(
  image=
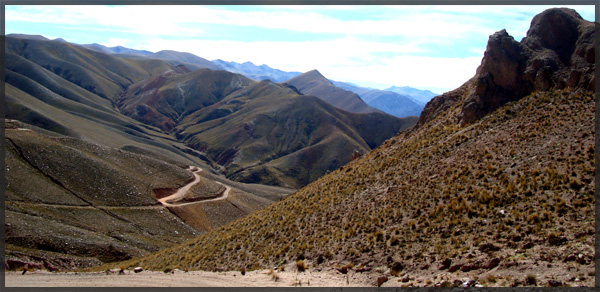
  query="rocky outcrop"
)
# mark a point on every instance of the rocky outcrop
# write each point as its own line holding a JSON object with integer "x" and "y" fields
{"x": 558, "y": 52}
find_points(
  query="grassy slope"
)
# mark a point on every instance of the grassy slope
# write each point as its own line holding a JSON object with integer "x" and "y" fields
{"x": 77, "y": 198}
{"x": 432, "y": 194}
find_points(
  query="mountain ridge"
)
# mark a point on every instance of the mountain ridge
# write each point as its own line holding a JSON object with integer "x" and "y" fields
{"x": 254, "y": 72}
{"x": 314, "y": 83}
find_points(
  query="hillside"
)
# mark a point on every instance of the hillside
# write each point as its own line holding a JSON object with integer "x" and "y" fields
{"x": 502, "y": 199}
{"x": 255, "y": 132}
{"x": 315, "y": 84}
{"x": 267, "y": 133}
{"x": 163, "y": 101}
{"x": 81, "y": 176}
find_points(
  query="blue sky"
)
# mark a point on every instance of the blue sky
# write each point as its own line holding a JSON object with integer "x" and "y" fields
{"x": 427, "y": 47}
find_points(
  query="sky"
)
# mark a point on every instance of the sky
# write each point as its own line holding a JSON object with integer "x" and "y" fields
{"x": 426, "y": 47}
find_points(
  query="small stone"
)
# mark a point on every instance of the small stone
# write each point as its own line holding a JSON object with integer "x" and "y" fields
{"x": 445, "y": 264}
{"x": 527, "y": 245}
{"x": 455, "y": 268}
{"x": 554, "y": 283}
{"x": 138, "y": 269}
{"x": 405, "y": 279}
{"x": 493, "y": 263}
{"x": 581, "y": 259}
{"x": 381, "y": 280}
{"x": 570, "y": 258}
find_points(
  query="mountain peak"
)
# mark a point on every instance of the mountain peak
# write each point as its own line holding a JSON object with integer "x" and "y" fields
{"x": 314, "y": 83}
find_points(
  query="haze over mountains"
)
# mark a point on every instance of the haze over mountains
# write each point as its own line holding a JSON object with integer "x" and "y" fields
{"x": 494, "y": 186}
{"x": 393, "y": 103}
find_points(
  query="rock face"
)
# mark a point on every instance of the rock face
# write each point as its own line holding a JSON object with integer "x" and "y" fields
{"x": 558, "y": 52}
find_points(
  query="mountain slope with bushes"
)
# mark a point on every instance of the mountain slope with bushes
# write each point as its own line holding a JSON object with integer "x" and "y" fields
{"x": 503, "y": 196}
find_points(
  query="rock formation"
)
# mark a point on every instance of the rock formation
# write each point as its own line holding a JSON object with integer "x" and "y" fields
{"x": 558, "y": 52}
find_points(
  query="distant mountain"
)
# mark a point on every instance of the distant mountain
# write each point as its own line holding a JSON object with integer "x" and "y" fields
{"x": 116, "y": 50}
{"x": 420, "y": 96}
{"x": 185, "y": 58}
{"x": 27, "y": 37}
{"x": 314, "y": 83}
{"x": 254, "y": 72}
{"x": 351, "y": 87}
{"x": 392, "y": 103}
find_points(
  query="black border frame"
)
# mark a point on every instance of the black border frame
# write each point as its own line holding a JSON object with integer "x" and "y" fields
{"x": 3, "y": 3}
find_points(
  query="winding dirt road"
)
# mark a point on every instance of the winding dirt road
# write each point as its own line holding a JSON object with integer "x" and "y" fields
{"x": 171, "y": 201}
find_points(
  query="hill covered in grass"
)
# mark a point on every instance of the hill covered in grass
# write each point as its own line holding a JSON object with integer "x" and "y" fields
{"x": 503, "y": 196}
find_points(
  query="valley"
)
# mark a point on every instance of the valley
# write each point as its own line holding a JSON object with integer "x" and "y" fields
{"x": 99, "y": 145}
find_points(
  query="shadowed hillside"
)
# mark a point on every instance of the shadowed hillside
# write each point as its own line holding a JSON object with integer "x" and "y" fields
{"x": 502, "y": 196}
{"x": 267, "y": 133}
{"x": 255, "y": 132}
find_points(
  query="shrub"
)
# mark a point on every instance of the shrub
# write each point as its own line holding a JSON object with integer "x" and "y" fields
{"x": 301, "y": 266}
{"x": 531, "y": 280}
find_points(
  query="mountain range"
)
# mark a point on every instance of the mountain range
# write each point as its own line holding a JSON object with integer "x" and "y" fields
{"x": 107, "y": 136}
{"x": 390, "y": 102}
{"x": 314, "y": 83}
{"x": 407, "y": 102}
{"x": 420, "y": 96}
{"x": 493, "y": 187}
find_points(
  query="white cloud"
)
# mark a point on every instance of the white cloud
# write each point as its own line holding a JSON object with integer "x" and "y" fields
{"x": 415, "y": 71}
